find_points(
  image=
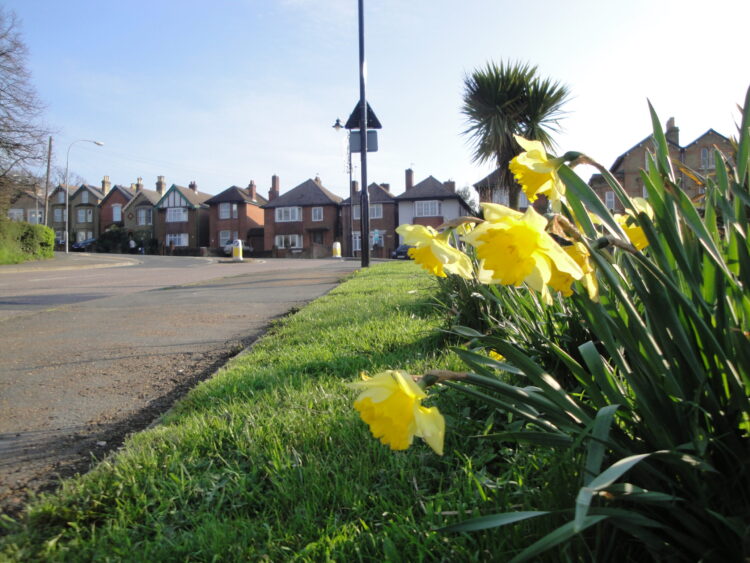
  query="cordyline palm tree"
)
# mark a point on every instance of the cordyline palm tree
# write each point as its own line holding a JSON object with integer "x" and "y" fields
{"x": 505, "y": 100}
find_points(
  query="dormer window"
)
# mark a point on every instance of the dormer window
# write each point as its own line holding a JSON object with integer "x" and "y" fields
{"x": 85, "y": 197}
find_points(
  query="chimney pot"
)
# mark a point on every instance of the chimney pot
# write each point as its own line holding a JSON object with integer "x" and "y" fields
{"x": 193, "y": 186}
{"x": 161, "y": 185}
{"x": 252, "y": 190}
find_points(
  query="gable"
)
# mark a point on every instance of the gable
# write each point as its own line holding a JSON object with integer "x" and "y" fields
{"x": 173, "y": 198}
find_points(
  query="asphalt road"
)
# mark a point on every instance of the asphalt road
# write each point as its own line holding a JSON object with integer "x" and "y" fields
{"x": 96, "y": 346}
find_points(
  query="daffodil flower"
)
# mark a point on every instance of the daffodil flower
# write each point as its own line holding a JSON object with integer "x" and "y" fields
{"x": 433, "y": 252}
{"x": 562, "y": 281}
{"x": 628, "y": 223}
{"x": 391, "y": 404}
{"x": 516, "y": 249}
{"x": 536, "y": 173}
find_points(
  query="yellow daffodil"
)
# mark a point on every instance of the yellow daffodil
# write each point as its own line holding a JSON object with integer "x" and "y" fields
{"x": 562, "y": 281}
{"x": 628, "y": 223}
{"x": 433, "y": 252}
{"x": 391, "y": 404}
{"x": 495, "y": 356}
{"x": 536, "y": 173}
{"x": 516, "y": 248}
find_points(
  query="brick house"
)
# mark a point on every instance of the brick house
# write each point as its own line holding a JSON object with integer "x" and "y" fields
{"x": 181, "y": 219}
{"x": 303, "y": 221}
{"x": 56, "y": 211}
{"x": 138, "y": 214}
{"x": 430, "y": 202}
{"x": 112, "y": 205}
{"x": 25, "y": 205}
{"x": 492, "y": 189}
{"x": 698, "y": 156}
{"x": 237, "y": 213}
{"x": 383, "y": 222}
{"x": 84, "y": 212}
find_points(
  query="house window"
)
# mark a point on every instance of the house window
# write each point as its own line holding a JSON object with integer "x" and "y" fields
{"x": 143, "y": 215}
{"x": 224, "y": 238}
{"x": 116, "y": 213}
{"x": 429, "y": 208}
{"x": 15, "y": 214}
{"x": 609, "y": 199}
{"x": 288, "y": 214}
{"x": 177, "y": 215}
{"x": 227, "y": 211}
{"x": 177, "y": 239}
{"x": 85, "y": 215}
{"x": 60, "y": 236}
{"x": 36, "y": 217}
{"x": 376, "y": 211}
{"x": 317, "y": 237}
{"x": 58, "y": 215}
{"x": 356, "y": 241}
{"x": 61, "y": 197}
{"x": 288, "y": 241}
{"x": 707, "y": 158}
{"x": 85, "y": 197}
{"x": 317, "y": 213}
{"x": 501, "y": 196}
{"x": 523, "y": 201}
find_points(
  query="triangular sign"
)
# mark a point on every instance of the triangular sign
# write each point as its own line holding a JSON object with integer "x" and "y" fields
{"x": 372, "y": 120}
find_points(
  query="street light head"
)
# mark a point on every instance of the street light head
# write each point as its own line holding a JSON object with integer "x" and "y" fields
{"x": 338, "y": 126}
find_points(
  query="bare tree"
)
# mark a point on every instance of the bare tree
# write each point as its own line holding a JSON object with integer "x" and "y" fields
{"x": 22, "y": 134}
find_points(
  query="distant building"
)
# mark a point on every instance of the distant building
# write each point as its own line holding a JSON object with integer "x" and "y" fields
{"x": 383, "y": 222}
{"x": 697, "y": 156}
{"x": 237, "y": 213}
{"x": 25, "y": 205}
{"x": 84, "y": 212}
{"x": 138, "y": 213}
{"x": 114, "y": 201}
{"x": 491, "y": 189}
{"x": 181, "y": 220}
{"x": 303, "y": 221}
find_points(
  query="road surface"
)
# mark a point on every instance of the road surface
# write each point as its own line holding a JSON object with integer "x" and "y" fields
{"x": 97, "y": 346}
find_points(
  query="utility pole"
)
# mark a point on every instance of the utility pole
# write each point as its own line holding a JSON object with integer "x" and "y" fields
{"x": 364, "y": 206}
{"x": 46, "y": 182}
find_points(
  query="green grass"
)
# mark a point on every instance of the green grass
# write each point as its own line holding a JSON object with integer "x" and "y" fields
{"x": 267, "y": 460}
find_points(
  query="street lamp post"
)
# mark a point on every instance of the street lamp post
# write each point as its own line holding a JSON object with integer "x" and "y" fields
{"x": 65, "y": 183}
{"x": 338, "y": 126}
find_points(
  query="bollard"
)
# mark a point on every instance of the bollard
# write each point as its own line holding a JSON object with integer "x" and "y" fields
{"x": 337, "y": 249}
{"x": 237, "y": 251}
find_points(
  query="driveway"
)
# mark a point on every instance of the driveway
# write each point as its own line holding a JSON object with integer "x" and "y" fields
{"x": 97, "y": 347}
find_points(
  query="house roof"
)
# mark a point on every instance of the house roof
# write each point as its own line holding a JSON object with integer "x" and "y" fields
{"x": 235, "y": 194}
{"x": 127, "y": 192}
{"x": 709, "y": 132}
{"x": 308, "y": 192}
{"x": 152, "y": 196}
{"x": 71, "y": 189}
{"x": 377, "y": 193}
{"x": 29, "y": 193}
{"x": 429, "y": 188}
{"x": 491, "y": 180}
{"x": 96, "y": 192}
{"x": 619, "y": 159}
{"x": 194, "y": 198}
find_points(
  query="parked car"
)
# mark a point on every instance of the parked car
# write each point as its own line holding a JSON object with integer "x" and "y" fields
{"x": 245, "y": 249}
{"x": 402, "y": 252}
{"x": 86, "y": 245}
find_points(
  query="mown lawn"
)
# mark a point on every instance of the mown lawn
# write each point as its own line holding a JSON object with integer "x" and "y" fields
{"x": 268, "y": 461}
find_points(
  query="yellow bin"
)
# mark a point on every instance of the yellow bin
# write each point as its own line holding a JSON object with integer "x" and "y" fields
{"x": 337, "y": 249}
{"x": 237, "y": 251}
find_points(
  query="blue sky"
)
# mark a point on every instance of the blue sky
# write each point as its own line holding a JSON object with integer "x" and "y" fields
{"x": 223, "y": 92}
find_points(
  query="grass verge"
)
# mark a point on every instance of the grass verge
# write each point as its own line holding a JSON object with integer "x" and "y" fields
{"x": 268, "y": 461}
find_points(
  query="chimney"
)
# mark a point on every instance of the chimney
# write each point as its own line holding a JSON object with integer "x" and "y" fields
{"x": 355, "y": 186}
{"x": 673, "y": 132}
{"x": 193, "y": 186}
{"x": 451, "y": 185}
{"x": 106, "y": 185}
{"x": 252, "y": 190}
{"x": 273, "y": 193}
{"x": 132, "y": 187}
{"x": 139, "y": 184}
{"x": 317, "y": 180}
{"x": 386, "y": 187}
{"x": 161, "y": 185}
{"x": 409, "y": 178}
